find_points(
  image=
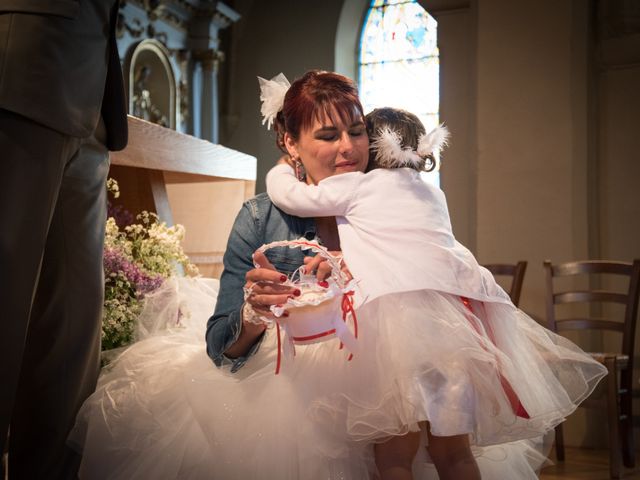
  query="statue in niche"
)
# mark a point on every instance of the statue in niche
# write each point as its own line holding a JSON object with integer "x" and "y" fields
{"x": 143, "y": 107}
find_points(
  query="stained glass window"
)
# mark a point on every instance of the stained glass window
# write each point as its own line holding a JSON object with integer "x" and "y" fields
{"x": 399, "y": 61}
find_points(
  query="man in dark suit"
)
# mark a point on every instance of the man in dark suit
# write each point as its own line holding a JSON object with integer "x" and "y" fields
{"x": 61, "y": 108}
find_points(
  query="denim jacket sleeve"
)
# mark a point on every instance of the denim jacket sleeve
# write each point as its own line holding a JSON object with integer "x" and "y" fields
{"x": 223, "y": 328}
{"x": 258, "y": 222}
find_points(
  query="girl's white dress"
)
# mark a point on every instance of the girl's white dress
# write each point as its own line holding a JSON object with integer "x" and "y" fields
{"x": 162, "y": 410}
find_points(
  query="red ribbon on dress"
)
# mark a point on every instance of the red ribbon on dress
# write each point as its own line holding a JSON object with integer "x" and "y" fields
{"x": 512, "y": 396}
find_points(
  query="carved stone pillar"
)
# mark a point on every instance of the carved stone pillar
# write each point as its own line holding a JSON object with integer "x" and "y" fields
{"x": 209, "y": 116}
{"x": 208, "y": 20}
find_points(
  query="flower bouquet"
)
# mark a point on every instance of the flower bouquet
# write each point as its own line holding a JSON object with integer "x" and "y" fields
{"x": 138, "y": 258}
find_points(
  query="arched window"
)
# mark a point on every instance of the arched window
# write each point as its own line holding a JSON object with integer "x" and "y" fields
{"x": 399, "y": 63}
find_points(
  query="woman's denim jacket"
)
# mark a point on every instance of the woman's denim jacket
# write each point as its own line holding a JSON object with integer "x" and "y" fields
{"x": 258, "y": 222}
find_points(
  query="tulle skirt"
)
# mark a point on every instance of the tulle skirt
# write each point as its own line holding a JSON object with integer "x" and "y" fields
{"x": 162, "y": 410}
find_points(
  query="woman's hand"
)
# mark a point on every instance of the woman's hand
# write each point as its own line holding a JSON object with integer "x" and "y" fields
{"x": 266, "y": 288}
{"x": 322, "y": 267}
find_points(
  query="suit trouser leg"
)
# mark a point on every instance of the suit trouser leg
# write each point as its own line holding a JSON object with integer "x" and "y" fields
{"x": 31, "y": 166}
{"x": 61, "y": 355}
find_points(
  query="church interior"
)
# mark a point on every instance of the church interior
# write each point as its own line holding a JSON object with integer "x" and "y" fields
{"x": 542, "y": 99}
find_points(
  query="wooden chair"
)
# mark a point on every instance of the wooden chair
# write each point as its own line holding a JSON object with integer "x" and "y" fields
{"x": 618, "y": 397}
{"x": 515, "y": 271}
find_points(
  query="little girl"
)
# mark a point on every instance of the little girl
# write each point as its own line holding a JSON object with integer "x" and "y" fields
{"x": 474, "y": 366}
{"x": 396, "y": 235}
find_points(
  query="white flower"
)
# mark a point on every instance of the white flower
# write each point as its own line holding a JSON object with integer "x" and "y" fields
{"x": 272, "y": 94}
{"x": 112, "y": 186}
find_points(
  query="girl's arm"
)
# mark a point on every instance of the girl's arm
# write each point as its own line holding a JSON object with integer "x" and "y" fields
{"x": 331, "y": 197}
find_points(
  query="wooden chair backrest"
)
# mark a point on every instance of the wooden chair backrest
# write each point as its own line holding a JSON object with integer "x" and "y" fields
{"x": 597, "y": 295}
{"x": 515, "y": 271}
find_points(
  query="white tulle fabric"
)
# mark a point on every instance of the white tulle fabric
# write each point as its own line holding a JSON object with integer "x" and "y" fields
{"x": 163, "y": 411}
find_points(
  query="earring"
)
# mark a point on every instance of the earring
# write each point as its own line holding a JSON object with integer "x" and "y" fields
{"x": 301, "y": 175}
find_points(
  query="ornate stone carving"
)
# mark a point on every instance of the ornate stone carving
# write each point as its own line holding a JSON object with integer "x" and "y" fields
{"x": 184, "y": 58}
{"x": 210, "y": 59}
{"x": 185, "y": 33}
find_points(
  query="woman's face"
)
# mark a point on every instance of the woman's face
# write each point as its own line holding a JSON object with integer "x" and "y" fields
{"x": 331, "y": 147}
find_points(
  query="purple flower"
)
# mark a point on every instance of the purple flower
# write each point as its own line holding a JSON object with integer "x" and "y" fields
{"x": 121, "y": 215}
{"x": 116, "y": 262}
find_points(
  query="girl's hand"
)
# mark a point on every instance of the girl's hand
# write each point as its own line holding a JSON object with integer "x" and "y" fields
{"x": 266, "y": 287}
{"x": 322, "y": 268}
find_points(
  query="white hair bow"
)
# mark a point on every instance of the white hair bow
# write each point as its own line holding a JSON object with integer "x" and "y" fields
{"x": 390, "y": 153}
{"x": 272, "y": 94}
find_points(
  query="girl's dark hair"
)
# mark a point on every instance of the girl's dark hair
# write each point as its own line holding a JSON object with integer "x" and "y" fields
{"x": 317, "y": 95}
{"x": 408, "y": 126}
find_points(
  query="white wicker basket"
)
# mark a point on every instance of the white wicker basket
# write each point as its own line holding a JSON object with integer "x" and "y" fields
{"x": 321, "y": 312}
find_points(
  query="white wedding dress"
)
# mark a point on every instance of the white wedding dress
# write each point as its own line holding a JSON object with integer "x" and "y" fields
{"x": 162, "y": 410}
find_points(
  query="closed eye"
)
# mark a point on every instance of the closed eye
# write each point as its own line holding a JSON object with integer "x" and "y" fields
{"x": 328, "y": 134}
{"x": 331, "y": 134}
{"x": 327, "y": 138}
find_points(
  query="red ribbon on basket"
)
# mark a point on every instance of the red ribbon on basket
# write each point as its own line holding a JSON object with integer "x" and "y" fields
{"x": 346, "y": 307}
{"x": 512, "y": 396}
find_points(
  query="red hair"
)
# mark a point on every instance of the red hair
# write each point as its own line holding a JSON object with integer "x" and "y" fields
{"x": 317, "y": 95}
